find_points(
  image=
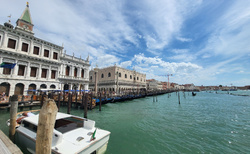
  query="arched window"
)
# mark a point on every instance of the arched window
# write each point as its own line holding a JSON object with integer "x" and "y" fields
{"x": 52, "y": 86}
{"x": 120, "y": 75}
{"x": 43, "y": 86}
{"x": 19, "y": 89}
{"x": 109, "y": 75}
{"x": 125, "y": 75}
{"x": 90, "y": 77}
{"x": 137, "y": 78}
{"x": 102, "y": 76}
{"x": 130, "y": 76}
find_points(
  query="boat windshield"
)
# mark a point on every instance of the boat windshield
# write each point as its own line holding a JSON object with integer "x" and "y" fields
{"x": 67, "y": 124}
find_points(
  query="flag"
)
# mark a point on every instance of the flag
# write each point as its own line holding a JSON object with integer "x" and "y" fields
{"x": 93, "y": 135}
{"x": 11, "y": 66}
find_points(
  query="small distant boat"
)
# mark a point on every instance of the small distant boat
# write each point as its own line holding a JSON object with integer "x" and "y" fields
{"x": 232, "y": 89}
{"x": 193, "y": 94}
{"x": 71, "y": 134}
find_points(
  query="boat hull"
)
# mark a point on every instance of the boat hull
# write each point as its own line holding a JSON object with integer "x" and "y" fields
{"x": 27, "y": 139}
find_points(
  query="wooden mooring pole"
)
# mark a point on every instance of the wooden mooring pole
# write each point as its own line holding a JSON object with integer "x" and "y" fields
{"x": 47, "y": 117}
{"x": 59, "y": 102}
{"x": 41, "y": 104}
{"x": 100, "y": 102}
{"x": 179, "y": 97}
{"x": 69, "y": 103}
{"x": 86, "y": 105}
{"x": 91, "y": 97}
{"x": 13, "y": 114}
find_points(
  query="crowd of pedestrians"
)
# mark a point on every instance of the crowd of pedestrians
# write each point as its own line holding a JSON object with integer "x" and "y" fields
{"x": 3, "y": 97}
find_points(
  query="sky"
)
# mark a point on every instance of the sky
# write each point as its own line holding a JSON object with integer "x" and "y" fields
{"x": 204, "y": 42}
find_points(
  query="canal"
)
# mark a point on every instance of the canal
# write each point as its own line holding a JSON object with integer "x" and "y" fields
{"x": 206, "y": 123}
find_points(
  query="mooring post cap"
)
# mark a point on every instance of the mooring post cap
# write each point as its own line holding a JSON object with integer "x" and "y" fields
{"x": 14, "y": 98}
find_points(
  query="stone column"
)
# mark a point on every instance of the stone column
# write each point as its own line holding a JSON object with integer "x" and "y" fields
{"x": 42, "y": 51}
{"x": 64, "y": 69}
{"x": 86, "y": 73}
{"x": 1, "y": 69}
{"x": 51, "y": 53}
{"x": 19, "y": 44}
{"x": 39, "y": 72}
{"x": 15, "y": 69}
{"x": 71, "y": 71}
{"x": 27, "y": 71}
{"x": 26, "y": 88}
{"x": 79, "y": 72}
{"x": 70, "y": 86}
{"x": 12, "y": 89}
{"x": 96, "y": 74}
{"x": 5, "y": 40}
{"x": 49, "y": 73}
{"x": 57, "y": 74}
{"x": 31, "y": 48}
{"x": 86, "y": 87}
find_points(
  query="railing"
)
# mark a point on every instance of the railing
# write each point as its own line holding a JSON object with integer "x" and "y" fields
{"x": 71, "y": 77}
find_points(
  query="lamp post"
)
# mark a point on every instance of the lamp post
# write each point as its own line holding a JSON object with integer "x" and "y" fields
{"x": 168, "y": 79}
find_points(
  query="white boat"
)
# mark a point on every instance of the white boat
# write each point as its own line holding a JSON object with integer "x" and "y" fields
{"x": 71, "y": 134}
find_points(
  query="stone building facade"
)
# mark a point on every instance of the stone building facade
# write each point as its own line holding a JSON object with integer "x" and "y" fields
{"x": 152, "y": 84}
{"x": 116, "y": 79}
{"x": 38, "y": 63}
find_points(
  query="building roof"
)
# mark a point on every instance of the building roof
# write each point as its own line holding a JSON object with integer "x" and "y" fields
{"x": 26, "y": 15}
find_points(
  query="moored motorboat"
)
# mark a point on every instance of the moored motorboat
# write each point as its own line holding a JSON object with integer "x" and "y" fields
{"x": 71, "y": 134}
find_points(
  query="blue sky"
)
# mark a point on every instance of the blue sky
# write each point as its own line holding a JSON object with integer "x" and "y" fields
{"x": 205, "y": 42}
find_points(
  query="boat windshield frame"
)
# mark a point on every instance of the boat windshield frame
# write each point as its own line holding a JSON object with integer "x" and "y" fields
{"x": 68, "y": 124}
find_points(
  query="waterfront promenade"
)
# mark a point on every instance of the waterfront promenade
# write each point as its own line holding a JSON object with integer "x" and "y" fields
{"x": 6, "y": 146}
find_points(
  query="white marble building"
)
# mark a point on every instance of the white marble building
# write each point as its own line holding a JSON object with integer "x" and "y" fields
{"x": 116, "y": 79}
{"x": 39, "y": 63}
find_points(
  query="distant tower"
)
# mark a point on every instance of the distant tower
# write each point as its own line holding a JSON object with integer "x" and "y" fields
{"x": 24, "y": 23}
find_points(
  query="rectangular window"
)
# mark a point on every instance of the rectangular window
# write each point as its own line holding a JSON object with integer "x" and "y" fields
{"x": 12, "y": 44}
{"x": 33, "y": 71}
{"x": 53, "y": 74}
{"x": 36, "y": 50}
{"x": 25, "y": 47}
{"x": 46, "y": 53}
{"x": 67, "y": 71}
{"x": 55, "y": 55}
{"x": 75, "y": 72}
{"x": 21, "y": 70}
{"x": 82, "y": 74}
{"x": 6, "y": 71}
{"x": 0, "y": 38}
{"x": 44, "y": 73}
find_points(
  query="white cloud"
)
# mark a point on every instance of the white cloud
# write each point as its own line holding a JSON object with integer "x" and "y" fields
{"x": 230, "y": 37}
{"x": 182, "y": 39}
{"x": 155, "y": 66}
{"x": 162, "y": 20}
{"x": 126, "y": 64}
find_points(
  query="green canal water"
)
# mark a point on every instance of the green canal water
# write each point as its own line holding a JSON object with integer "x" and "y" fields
{"x": 205, "y": 123}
